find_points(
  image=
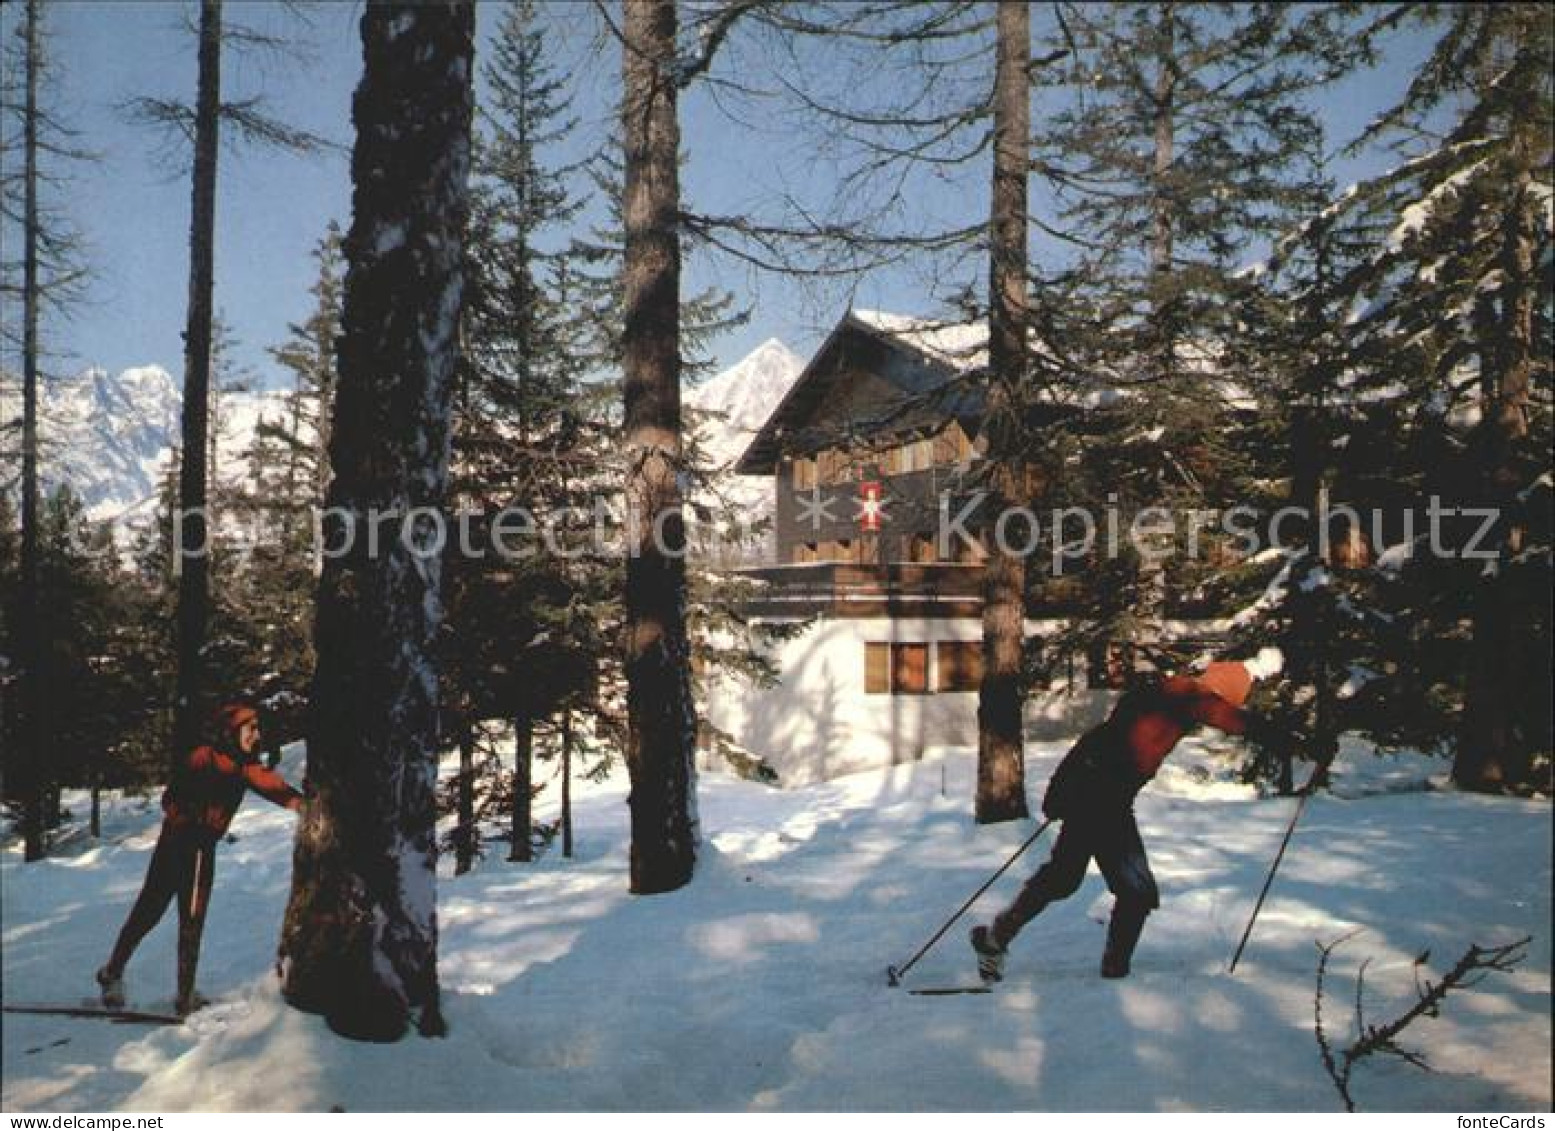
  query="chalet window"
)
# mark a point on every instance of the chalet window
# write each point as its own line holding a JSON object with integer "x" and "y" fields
{"x": 805, "y": 552}
{"x": 804, "y": 473}
{"x": 877, "y": 669}
{"x": 909, "y": 669}
{"x": 960, "y": 666}
{"x": 897, "y": 669}
{"x": 921, "y": 548}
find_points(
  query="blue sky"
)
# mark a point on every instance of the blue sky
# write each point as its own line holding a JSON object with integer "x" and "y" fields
{"x": 132, "y": 206}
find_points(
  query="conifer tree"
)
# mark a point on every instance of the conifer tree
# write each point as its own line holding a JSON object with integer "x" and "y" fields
{"x": 283, "y": 488}
{"x": 46, "y": 278}
{"x": 201, "y": 124}
{"x": 1447, "y": 321}
{"x": 661, "y": 735}
{"x": 518, "y": 410}
{"x": 1001, "y": 757}
{"x": 359, "y": 943}
{"x": 1177, "y": 145}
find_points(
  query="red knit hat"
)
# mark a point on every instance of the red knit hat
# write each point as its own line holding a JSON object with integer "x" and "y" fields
{"x": 230, "y": 717}
{"x": 1228, "y": 679}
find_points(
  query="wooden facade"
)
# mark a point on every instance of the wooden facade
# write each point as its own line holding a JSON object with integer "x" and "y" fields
{"x": 870, "y": 408}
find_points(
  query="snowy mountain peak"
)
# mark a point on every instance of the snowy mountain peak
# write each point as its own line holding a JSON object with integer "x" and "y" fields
{"x": 746, "y": 393}
{"x": 736, "y": 403}
{"x": 110, "y": 436}
{"x": 107, "y": 435}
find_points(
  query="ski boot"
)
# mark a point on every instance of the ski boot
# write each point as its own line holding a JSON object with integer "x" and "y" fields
{"x": 1122, "y": 936}
{"x": 110, "y": 988}
{"x": 990, "y": 955}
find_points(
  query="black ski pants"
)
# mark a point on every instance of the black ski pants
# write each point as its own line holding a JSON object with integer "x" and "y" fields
{"x": 1108, "y": 835}
{"x": 183, "y": 865}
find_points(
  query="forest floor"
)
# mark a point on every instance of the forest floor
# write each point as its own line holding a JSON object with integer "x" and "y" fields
{"x": 762, "y": 986}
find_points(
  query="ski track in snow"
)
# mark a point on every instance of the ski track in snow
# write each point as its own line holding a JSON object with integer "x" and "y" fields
{"x": 762, "y": 985}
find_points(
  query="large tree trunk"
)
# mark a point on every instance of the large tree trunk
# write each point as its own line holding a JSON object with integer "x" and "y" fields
{"x": 520, "y": 851}
{"x": 192, "y": 561}
{"x": 1493, "y": 751}
{"x": 567, "y": 784}
{"x": 464, "y": 854}
{"x": 1163, "y": 312}
{"x": 29, "y": 625}
{"x": 359, "y": 944}
{"x": 661, "y": 740}
{"x": 1163, "y": 204}
{"x": 1001, "y": 758}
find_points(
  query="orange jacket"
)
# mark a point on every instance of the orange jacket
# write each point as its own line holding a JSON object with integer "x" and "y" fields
{"x": 1152, "y": 723}
{"x": 208, "y": 786}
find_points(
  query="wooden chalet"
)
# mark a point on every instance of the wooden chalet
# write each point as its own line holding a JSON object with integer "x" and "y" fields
{"x": 881, "y": 430}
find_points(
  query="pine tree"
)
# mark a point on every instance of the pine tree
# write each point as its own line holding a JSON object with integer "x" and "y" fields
{"x": 1001, "y": 758}
{"x": 1448, "y": 318}
{"x": 50, "y": 273}
{"x": 269, "y": 591}
{"x": 1178, "y": 144}
{"x": 29, "y": 633}
{"x": 516, "y": 414}
{"x": 201, "y": 124}
{"x": 359, "y": 943}
{"x": 190, "y": 521}
{"x": 661, "y": 738}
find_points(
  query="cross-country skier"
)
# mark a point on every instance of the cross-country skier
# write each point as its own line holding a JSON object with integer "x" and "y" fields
{"x": 1092, "y": 794}
{"x": 198, "y": 805}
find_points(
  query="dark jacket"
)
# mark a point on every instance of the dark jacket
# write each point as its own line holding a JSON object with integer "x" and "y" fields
{"x": 1113, "y": 761}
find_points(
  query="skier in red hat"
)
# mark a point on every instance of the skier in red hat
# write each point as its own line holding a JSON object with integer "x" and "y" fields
{"x": 197, "y": 807}
{"x": 1092, "y": 792}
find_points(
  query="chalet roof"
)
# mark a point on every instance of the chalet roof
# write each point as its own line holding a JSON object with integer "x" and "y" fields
{"x": 940, "y": 353}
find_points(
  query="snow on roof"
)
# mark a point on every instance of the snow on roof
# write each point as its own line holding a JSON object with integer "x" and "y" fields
{"x": 961, "y": 345}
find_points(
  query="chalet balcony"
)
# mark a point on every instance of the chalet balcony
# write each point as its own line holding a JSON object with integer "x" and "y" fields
{"x": 845, "y": 589}
{"x": 918, "y": 589}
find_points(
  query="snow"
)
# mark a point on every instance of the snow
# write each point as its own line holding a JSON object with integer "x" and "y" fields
{"x": 961, "y": 345}
{"x": 741, "y": 398}
{"x": 1272, "y": 596}
{"x": 731, "y": 408}
{"x": 761, "y": 986}
{"x": 1318, "y": 578}
{"x": 112, "y": 436}
{"x": 1413, "y": 219}
{"x": 1356, "y": 680}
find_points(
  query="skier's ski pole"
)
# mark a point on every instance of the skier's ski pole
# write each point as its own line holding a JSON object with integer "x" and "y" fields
{"x": 894, "y": 975}
{"x": 1275, "y": 867}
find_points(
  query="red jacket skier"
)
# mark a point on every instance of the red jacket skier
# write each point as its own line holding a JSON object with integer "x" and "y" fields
{"x": 1092, "y": 792}
{"x": 198, "y": 805}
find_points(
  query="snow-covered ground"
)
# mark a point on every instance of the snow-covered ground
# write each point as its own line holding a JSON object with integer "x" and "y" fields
{"x": 761, "y": 986}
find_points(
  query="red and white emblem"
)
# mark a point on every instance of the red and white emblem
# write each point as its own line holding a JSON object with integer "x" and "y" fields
{"x": 871, "y": 507}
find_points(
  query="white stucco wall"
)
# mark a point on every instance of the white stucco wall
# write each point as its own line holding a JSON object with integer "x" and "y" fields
{"x": 819, "y": 722}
